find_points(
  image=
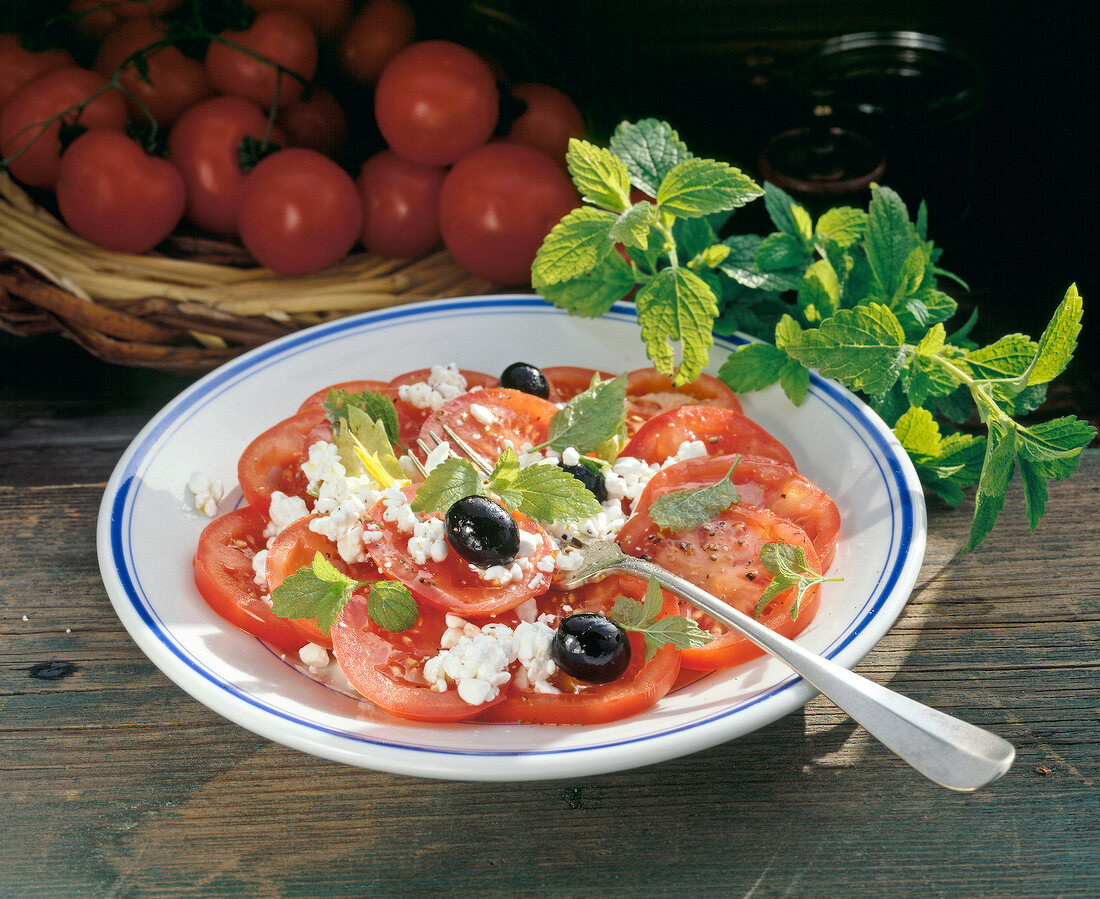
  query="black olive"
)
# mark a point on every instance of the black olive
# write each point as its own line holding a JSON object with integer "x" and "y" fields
{"x": 590, "y": 477}
{"x": 482, "y": 531}
{"x": 521, "y": 376}
{"x": 591, "y": 648}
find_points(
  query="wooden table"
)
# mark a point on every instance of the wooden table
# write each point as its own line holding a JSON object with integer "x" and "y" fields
{"x": 116, "y": 783}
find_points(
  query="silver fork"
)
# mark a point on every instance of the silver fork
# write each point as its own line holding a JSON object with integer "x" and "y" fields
{"x": 943, "y": 748}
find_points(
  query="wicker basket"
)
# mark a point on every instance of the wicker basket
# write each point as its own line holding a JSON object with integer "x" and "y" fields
{"x": 196, "y": 302}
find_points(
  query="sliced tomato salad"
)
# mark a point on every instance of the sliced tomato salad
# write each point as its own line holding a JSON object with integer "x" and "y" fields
{"x": 227, "y": 581}
{"x": 576, "y": 702}
{"x": 453, "y": 584}
{"x": 721, "y": 431}
{"x": 454, "y": 602}
{"x": 723, "y": 557}
{"x": 649, "y": 393}
{"x": 491, "y": 419}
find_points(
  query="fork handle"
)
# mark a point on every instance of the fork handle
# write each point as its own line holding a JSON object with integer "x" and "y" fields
{"x": 944, "y": 749}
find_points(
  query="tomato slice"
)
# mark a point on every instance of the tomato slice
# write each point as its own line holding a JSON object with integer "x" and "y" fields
{"x": 566, "y": 381}
{"x": 412, "y": 417}
{"x": 649, "y": 393}
{"x": 273, "y": 461}
{"x": 452, "y": 584}
{"x": 722, "y": 430}
{"x": 723, "y": 557}
{"x": 294, "y": 548}
{"x": 514, "y": 418}
{"x": 317, "y": 400}
{"x": 388, "y": 668}
{"x": 759, "y": 482}
{"x": 640, "y": 687}
{"x": 226, "y": 579}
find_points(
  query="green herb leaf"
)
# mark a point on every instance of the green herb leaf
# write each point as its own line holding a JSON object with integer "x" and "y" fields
{"x": 698, "y": 187}
{"x": 650, "y": 149}
{"x": 391, "y": 606}
{"x": 450, "y": 481}
{"x": 364, "y": 447}
{"x": 632, "y": 227}
{"x": 574, "y": 246}
{"x": 741, "y": 265}
{"x": 819, "y": 292}
{"x": 1059, "y": 340}
{"x": 842, "y": 225}
{"x": 891, "y": 237}
{"x": 640, "y": 617}
{"x": 593, "y": 294}
{"x": 600, "y": 176}
{"x": 789, "y": 568}
{"x": 780, "y": 251}
{"x": 547, "y": 494}
{"x": 676, "y": 305}
{"x": 860, "y": 347}
{"x": 320, "y": 592}
{"x": 681, "y": 510}
{"x": 588, "y": 419}
{"x": 752, "y": 367}
{"x": 377, "y": 406}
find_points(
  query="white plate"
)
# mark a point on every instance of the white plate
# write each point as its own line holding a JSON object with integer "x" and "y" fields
{"x": 147, "y": 536}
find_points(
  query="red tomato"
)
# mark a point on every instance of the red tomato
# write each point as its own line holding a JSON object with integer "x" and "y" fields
{"x": 641, "y": 685}
{"x": 294, "y": 548}
{"x": 19, "y": 66}
{"x": 32, "y": 145}
{"x": 91, "y": 17}
{"x": 273, "y": 461}
{"x": 435, "y": 102}
{"x": 400, "y": 205}
{"x": 379, "y": 31}
{"x": 722, "y": 431}
{"x": 497, "y": 205}
{"x": 205, "y": 146}
{"x": 518, "y": 420}
{"x": 326, "y": 17}
{"x": 276, "y": 36}
{"x": 723, "y": 557}
{"x": 452, "y": 584}
{"x": 760, "y": 482}
{"x": 226, "y": 579}
{"x": 550, "y": 119}
{"x": 299, "y": 212}
{"x": 566, "y": 381}
{"x": 387, "y": 668}
{"x": 649, "y": 393}
{"x": 173, "y": 83}
{"x": 316, "y": 124}
{"x": 412, "y": 418}
{"x": 112, "y": 192}
{"x": 317, "y": 400}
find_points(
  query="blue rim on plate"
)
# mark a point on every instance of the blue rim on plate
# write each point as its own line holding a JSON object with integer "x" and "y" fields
{"x": 346, "y": 740}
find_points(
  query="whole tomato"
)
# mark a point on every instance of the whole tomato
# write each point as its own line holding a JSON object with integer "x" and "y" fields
{"x": 30, "y": 125}
{"x": 276, "y": 36}
{"x": 400, "y": 205}
{"x": 19, "y": 65}
{"x": 299, "y": 212}
{"x": 550, "y": 119}
{"x": 379, "y": 31}
{"x": 326, "y": 17}
{"x": 205, "y": 145}
{"x": 435, "y": 102}
{"x": 112, "y": 192}
{"x": 317, "y": 124}
{"x": 497, "y": 205}
{"x": 172, "y": 83}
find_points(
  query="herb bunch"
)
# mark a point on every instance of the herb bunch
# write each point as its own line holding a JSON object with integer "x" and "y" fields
{"x": 854, "y": 295}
